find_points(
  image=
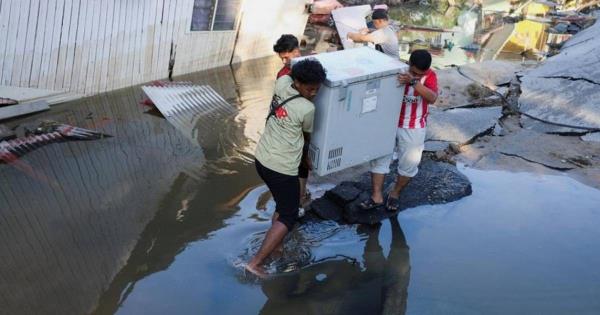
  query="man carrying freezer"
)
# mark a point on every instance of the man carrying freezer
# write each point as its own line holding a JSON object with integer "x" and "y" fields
{"x": 279, "y": 151}
{"x": 420, "y": 90}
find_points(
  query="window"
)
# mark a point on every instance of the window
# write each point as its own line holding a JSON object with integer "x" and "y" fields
{"x": 215, "y": 15}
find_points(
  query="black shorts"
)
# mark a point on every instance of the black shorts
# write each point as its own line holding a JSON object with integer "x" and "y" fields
{"x": 303, "y": 171}
{"x": 286, "y": 193}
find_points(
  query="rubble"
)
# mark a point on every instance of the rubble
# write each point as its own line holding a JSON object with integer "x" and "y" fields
{"x": 436, "y": 183}
{"x": 565, "y": 88}
{"x": 459, "y": 125}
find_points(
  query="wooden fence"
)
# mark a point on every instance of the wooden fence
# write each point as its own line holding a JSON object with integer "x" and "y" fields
{"x": 92, "y": 46}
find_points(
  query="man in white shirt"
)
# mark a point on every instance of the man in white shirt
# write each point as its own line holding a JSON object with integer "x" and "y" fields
{"x": 384, "y": 37}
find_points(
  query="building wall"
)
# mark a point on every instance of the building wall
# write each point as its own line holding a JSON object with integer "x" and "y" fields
{"x": 92, "y": 46}
{"x": 263, "y": 21}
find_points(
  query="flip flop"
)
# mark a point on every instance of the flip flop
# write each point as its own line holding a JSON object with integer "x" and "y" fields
{"x": 392, "y": 204}
{"x": 370, "y": 204}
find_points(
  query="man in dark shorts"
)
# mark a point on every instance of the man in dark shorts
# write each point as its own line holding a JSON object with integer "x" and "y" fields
{"x": 287, "y": 49}
{"x": 279, "y": 150}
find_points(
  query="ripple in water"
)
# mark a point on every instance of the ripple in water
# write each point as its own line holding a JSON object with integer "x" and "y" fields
{"x": 299, "y": 246}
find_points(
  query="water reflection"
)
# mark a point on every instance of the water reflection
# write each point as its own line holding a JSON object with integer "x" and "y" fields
{"x": 192, "y": 210}
{"x": 81, "y": 218}
{"x": 375, "y": 285}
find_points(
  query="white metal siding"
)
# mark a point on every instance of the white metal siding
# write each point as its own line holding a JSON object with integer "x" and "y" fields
{"x": 92, "y": 46}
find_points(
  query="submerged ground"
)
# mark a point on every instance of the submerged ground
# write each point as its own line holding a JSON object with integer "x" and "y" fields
{"x": 153, "y": 221}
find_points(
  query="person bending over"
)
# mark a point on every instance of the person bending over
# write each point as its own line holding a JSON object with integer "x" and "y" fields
{"x": 279, "y": 150}
{"x": 287, "y": 49}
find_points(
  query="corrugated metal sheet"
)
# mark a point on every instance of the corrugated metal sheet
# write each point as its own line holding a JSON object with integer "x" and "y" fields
{"x": 184, "y": 105}
{"x": 13, "y": 149}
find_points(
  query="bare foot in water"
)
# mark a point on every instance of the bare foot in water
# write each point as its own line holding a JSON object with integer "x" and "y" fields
{"x": 256, "y": 270}
{"x": 278, "y": 249}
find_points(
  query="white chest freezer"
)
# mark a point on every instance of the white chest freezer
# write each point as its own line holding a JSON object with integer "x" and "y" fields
{"x": 357, "y": 109}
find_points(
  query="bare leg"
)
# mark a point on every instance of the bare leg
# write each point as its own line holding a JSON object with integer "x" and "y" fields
{"x": 279, "y": 248}
{"x": 302, "y": 187}
{"x": 401, "y": 181}
{"x": 377, "y": 182}
{"x": 273, "y": 238}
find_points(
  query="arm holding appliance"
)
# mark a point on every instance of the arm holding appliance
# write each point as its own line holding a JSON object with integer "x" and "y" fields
{"x": 427, "y": 90}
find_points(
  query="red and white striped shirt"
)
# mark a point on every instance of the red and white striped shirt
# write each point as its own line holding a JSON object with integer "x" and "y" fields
{"x": 414, "y": 108}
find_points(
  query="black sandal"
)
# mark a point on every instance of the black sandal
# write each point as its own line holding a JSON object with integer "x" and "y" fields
{"x": 370, "y": 204}
{"x": 392, "y": 204}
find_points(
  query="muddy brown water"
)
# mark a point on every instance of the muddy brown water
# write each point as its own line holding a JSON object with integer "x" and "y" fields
{"x": 148, "y": 222}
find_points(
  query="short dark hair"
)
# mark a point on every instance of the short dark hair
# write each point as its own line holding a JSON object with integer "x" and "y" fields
{"x": 421, "y": 59}
{"x": 309, "y": 71}
{"x": 379, "y": 14}
{"x": 286, "y": 43}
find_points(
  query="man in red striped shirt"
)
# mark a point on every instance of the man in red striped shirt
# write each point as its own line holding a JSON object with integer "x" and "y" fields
{"x": 420, "y": 90}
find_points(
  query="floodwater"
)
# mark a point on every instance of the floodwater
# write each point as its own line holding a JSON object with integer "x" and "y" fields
{"x": 521, "y": 244}
{"x": 148, "y": 222}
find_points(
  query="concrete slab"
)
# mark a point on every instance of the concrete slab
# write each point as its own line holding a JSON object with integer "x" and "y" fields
{"x": 461, "y": 125}
{"x": 493, "y": 72}
{"x": 561, "y": 101}
{"x": 591, "y": 137}
{"x": 566, "y": 88}
{"x": 553, "y": 151}
{"x": 452, "y": 89}
{"x": 7, "y": 112}
{"x": 540, "y": 126}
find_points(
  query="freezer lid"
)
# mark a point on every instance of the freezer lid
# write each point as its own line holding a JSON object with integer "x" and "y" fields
{"x": 355, "y": 65}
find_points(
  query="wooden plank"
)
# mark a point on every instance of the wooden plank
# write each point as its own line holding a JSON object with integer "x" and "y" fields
{"x": 79, "y": 43}
{"x": 64, "y": 44}
{"x": 156, "y": 42}
{"x": 38, "y": 46}
{"x": 15, "y": 76}
{"x": 178, "y": 30}
{"x": 110, "y": 43}
{"x": 151, "y": 40}
{"x": 125, "y": 71}
{"x": 148, "y": 37}
{"x": 47, "y": 38}
{"x": 169, "y": 38}
{"x": 158, "y": 68}
{"x": 4, "y": 25}
{"x": 56, "y": 44}
{"x": 81, "y": 50}
{"x": 102, "y": 56}
{"x": 114, "y": 42}
{"x": 86, "y": 45}
{"x": 11, "y": 42}
{"x": 139, "y": 35}
{"x": 107, "y": 40}
{"x": 94, "y": 54}
{"x": 71, "y": 45}
{"x": 119, "y": 51}
{"x": 22, "y": 109}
